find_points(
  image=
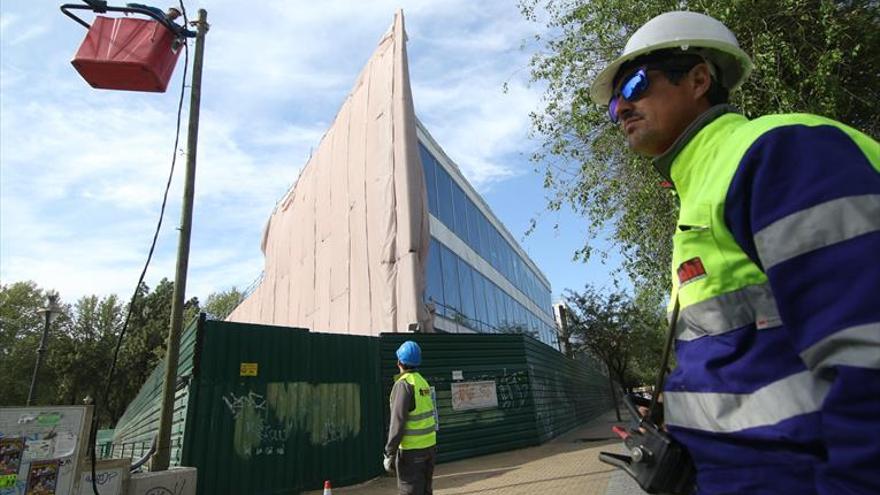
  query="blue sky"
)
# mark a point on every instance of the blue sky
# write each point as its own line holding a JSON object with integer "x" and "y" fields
{"x": 82, "y": 171}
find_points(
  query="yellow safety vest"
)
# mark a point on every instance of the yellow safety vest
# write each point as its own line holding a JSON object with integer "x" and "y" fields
{"x": 419, "y": 431}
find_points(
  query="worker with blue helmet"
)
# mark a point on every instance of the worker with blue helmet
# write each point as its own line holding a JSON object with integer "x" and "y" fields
{"x": 412, "y": 433}
{"x": 409, "y": 353}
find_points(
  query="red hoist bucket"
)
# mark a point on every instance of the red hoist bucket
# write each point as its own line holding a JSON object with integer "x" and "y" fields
{"x": 128, "y": 53}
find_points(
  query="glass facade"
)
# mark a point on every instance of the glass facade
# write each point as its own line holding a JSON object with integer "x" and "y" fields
{"x": 463, "y": 294}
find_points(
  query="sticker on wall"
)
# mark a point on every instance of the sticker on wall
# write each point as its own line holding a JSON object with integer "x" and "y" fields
{"x": 247, "y": 369}
{"x": 436, "y": 415}
{"x": 11, "y": 452}
{"x": 43, "y": 477}
{"x": 39, "y": 449}
{"x": 65, "y": 444}
{"x": 7, "y": 480}
{"x": 49, "y": 419}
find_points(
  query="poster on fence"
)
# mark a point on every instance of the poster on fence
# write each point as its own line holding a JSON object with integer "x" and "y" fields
{"x": 474, "y": 395}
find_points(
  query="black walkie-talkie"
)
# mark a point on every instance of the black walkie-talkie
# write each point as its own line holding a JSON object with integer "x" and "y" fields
{"x": 656, "y": 461}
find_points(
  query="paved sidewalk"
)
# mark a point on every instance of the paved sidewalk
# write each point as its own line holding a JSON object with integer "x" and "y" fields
{"x": 568, "y": 464}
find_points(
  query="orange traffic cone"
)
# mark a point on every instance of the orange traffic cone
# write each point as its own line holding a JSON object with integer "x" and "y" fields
{"x": 328, "y": 490}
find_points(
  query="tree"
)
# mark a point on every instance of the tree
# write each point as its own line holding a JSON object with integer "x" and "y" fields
{"x": 219, "y": 305}
{"x": 144, "y": 343}
{"x": 624, "y": 335}
{"x": 82, "y": 341}
{"x": 818, "y": 56}
{"x": 20, "y": 330}
{"x": 85, "y": 349}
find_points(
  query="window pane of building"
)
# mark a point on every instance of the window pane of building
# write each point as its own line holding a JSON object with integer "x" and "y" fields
{"x": 459, "y": 206}
{"x": 480, "y": 301}
{"x": 536, "y": 328}
{"x": 485, "y": 243}
{"x": 450, "y": 282}
{"x": 509, "y": 313}
{"x": 434, "y": 275}
{"x": 429, "y": 166}
{"x": 500, "y": 300}
{"x": 517, "y": 316}
{"x": 444, "y": 197}
{"x": 494, "y": 243}
{"x": 474, "y": 216}
{"x": 492, "y": 304}
{"x": 466, "y": 281}
{"x": 508, "y": 261}
{"x": 517, "y": 271}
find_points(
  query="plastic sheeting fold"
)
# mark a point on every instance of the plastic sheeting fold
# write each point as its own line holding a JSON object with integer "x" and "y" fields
{"x": 345, "y": 249}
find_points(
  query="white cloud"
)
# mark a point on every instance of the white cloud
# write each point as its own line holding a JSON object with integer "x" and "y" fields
{"x": 29, "y": 33}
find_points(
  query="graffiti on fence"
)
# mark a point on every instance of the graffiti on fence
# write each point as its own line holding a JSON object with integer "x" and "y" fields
{"x": 325, "y": 412}
{"x": 236, "y": 404}
{"x": 101, "y": 478}
{"x": 512, "y": 388}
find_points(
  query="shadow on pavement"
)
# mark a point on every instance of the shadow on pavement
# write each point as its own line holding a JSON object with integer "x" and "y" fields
{"x": 455, "y": 480}
{"x": 532, "y": 482}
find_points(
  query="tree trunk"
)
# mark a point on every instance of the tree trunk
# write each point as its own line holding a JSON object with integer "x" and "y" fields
{"x": 613, "y": 392}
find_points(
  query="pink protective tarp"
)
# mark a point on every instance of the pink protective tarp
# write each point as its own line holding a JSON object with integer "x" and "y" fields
{"x": 346, "y": 247}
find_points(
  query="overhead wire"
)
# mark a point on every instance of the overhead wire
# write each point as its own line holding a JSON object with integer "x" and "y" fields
{"x": 103, "y": 398}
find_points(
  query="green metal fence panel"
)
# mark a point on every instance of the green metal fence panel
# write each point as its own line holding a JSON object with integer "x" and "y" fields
{"x": 566, "y": 392}
{"x": 540, "y": 393}
{"x": 139, "y": 423}
{"x": 277, "y": 410}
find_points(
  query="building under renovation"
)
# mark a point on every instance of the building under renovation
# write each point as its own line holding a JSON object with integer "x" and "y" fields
{"x": 382, "y": 233}
{"x": 380, "y": 236}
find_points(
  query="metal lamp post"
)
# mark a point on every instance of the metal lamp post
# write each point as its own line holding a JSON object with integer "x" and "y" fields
{"x": 49, "y": 313}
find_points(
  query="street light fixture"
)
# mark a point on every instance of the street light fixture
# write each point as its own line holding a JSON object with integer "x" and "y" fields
{"x": 50, "y": 312}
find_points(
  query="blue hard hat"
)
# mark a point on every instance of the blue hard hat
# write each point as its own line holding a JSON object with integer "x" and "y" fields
{"x": 409, "y": 353}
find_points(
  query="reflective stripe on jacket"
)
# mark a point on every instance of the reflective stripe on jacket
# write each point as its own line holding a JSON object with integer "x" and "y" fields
{"x": 420, "y": 428}
{"x": 775, "y": 265}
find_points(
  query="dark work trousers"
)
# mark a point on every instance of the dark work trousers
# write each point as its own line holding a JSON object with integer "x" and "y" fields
{"x": 415, "y": 469}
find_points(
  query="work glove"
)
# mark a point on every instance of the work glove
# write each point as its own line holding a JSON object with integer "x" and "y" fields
{"x": 388, "y": 463}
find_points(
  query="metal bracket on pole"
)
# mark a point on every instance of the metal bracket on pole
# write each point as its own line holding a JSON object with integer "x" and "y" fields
{"x": 102, "y": 8}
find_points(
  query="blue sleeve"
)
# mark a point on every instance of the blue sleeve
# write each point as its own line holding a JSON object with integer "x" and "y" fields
{"x": 805, "y": 206}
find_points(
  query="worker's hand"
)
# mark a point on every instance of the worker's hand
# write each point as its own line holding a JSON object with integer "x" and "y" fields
{"x": 388, "y": 463}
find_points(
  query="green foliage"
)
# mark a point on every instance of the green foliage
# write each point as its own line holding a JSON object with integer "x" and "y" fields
{"x": 81, "y": 350}
{"x": 816, "y": 56}
{"x": 81, "y": 344}
{"x": 622, "y": 332}
{"x": 220, "y": 304}
{"x": 20, "y": 330}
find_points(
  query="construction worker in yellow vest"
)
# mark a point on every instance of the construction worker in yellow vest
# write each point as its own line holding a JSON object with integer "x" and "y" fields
{"x": 412, "y": 435}
{"x": 774, "y": 268}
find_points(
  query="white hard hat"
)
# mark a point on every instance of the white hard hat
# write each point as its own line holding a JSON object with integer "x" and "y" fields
{"x": 697, "y": 33}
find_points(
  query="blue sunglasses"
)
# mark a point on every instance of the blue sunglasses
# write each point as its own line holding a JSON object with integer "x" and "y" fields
{"x": 632, "y": 89}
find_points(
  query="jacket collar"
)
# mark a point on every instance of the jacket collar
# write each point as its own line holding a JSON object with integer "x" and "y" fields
{"x": 663, "y": 163}
{"x": 401, "y": 375}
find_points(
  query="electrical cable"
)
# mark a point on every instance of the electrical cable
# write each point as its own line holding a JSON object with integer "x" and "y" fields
{"x": 94, "y": 427}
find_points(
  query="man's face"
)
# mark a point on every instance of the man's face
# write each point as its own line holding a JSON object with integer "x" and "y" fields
{"x": 653, "y": 122}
